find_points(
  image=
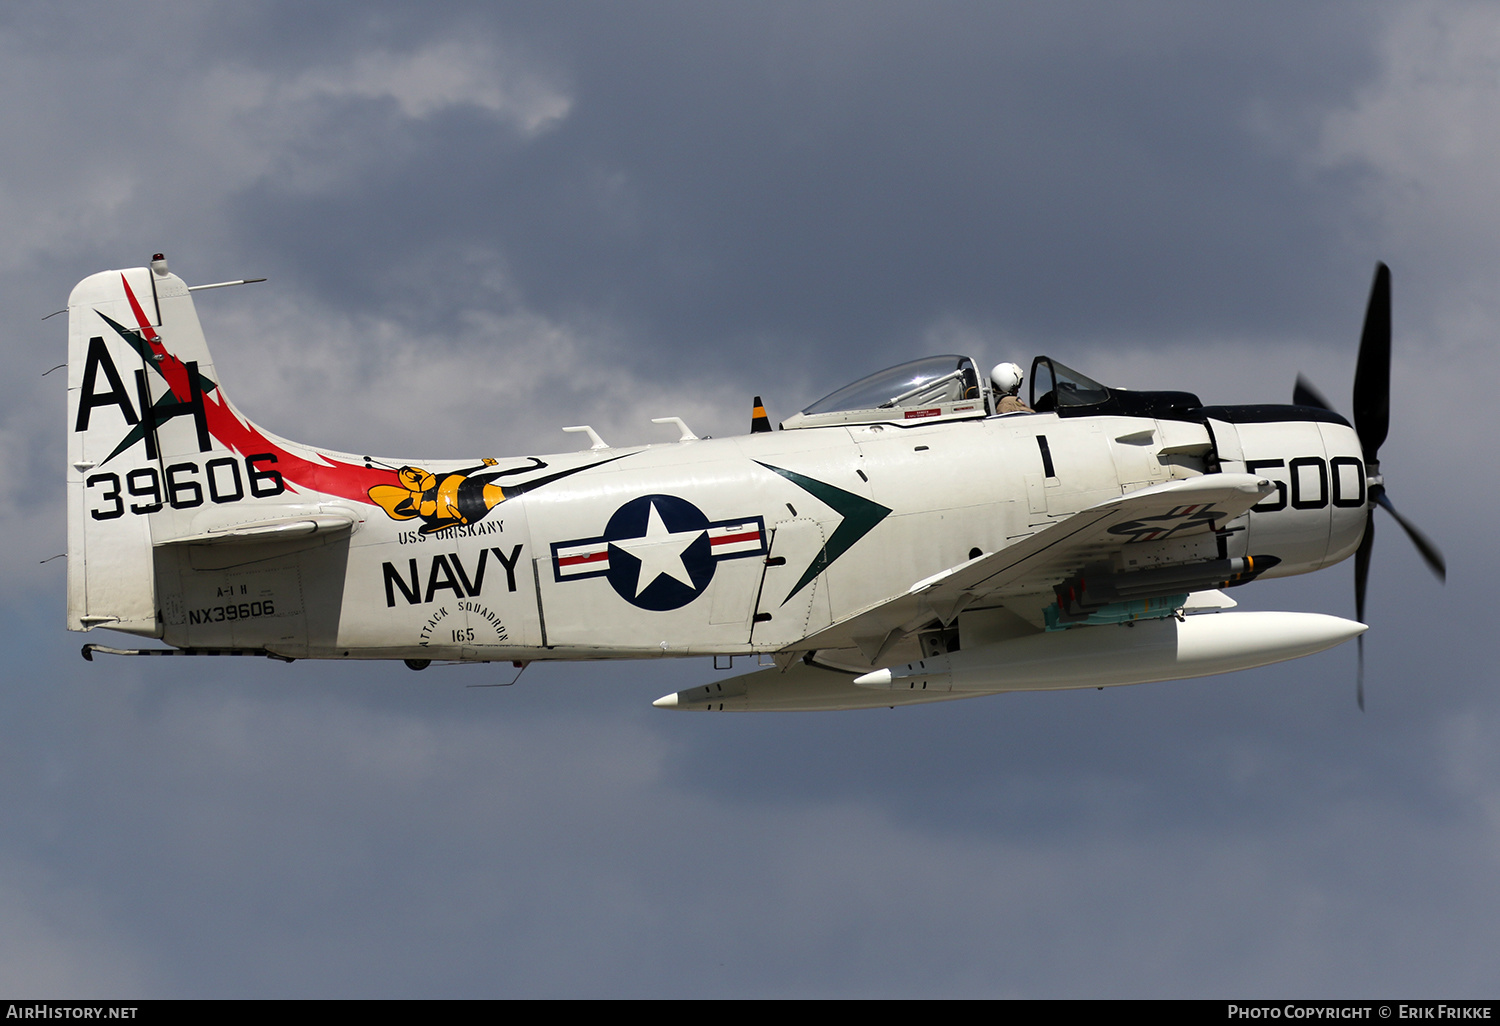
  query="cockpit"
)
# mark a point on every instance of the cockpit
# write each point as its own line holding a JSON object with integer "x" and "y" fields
{"x": 932, "y": 388}
{"x": 950, "y": 387}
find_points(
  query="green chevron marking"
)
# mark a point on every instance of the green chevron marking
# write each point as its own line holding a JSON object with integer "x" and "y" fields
{"x": 205, "y": 385}
{"x": 860, "y": 517}
{"x": 141, "y": 346}
{"x": 139, "y": 431}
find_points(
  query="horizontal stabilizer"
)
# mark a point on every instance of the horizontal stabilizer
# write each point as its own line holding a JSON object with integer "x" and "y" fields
{"x": 271, "y": 530}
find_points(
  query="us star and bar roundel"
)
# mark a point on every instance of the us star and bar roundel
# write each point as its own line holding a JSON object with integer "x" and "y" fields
{"x": 659, "y": 551}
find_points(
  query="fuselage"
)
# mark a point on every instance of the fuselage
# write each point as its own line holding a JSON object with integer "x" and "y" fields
{"x": 734, "y": 545}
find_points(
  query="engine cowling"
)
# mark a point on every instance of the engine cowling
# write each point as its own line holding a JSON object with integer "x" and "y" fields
{"x": 1317, "y": 515}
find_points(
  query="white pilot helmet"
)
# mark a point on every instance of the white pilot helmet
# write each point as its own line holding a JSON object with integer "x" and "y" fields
{"x": 1006, "y": 377}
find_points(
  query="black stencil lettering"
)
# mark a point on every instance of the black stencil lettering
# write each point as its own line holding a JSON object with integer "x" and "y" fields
{"x": 258, "y": 477}
{"x": 1268, "y": 506}
{"x": 178, "y": 491}
{"x": 234, "y": 476}
{"x": 1339, "y": 463}
{"x": 144, "y": 484}
{"x": 1299, "y": 500}
{"x": 97, "y": 359}
{"x": 113, "y": 495}
{"x": 509, "y": 564}
{"x": 434, "y": 583}
{"x": 392, "y": 578}
{"x": 471, "y": 589}
{"x": 167, "y": 407}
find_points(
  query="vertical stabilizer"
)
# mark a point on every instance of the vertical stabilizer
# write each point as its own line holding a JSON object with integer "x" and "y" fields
{"x": 139, "y": 446}
{"x": 162, "y": 469}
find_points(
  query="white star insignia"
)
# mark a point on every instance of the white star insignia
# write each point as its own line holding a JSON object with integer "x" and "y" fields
{"x": 660, "y": 552}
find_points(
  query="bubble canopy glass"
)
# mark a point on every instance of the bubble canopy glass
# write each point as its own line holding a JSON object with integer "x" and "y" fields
{"x": 932, "y": 379}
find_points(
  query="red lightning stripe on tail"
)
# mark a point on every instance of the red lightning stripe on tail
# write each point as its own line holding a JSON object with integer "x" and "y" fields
{"x": 345, "y": 480}
{"x": 140, "y": 317}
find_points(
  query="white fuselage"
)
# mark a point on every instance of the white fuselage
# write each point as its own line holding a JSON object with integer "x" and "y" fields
{"x": 503, "y": 588}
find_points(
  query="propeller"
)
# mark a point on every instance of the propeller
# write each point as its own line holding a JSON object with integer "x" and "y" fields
{"x": 1372, "y": 419}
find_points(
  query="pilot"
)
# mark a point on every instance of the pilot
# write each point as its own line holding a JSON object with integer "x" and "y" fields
{"x": 1005, "y": 381}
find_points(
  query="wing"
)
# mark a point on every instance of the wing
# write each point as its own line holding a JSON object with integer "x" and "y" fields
{"x": 1035, "y": 565}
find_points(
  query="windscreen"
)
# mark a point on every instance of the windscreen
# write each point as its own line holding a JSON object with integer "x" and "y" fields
{"x": 1054, "y": 384}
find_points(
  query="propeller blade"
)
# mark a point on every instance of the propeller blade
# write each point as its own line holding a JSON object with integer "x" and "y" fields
{"x": 1429, "y": 551}
{"x": 1372, "y": 375}
{"x": 1361, "y": 579}
{"x": 1372, "y": 421}
{"x": 1359, "y": 674}
{"x": 1305, "y": 394}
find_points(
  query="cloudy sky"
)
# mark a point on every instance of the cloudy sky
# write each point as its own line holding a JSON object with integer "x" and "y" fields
{"x": 485, "y": 221}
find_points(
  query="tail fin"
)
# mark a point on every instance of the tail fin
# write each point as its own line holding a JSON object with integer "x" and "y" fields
{"x": 157, "y": 455}
{"x": 125, "y": 428}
